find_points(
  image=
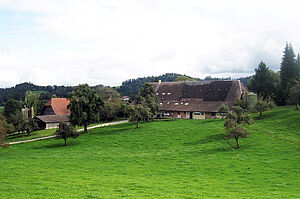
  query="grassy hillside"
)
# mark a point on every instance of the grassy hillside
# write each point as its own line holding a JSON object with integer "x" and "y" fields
{"x": 166, "y": 159}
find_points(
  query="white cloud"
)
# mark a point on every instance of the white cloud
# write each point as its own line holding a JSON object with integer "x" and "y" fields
{"x": 110, "y": 41}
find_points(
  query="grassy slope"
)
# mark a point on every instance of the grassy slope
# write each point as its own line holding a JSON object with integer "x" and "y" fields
{"x": 168, "y": 159}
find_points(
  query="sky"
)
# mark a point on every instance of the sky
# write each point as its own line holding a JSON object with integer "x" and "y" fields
{"x": 69, "y": 42}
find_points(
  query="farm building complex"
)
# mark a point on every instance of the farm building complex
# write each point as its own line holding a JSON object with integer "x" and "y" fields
{"x": 197, "y": 99}
{"x": 55, "y": 111}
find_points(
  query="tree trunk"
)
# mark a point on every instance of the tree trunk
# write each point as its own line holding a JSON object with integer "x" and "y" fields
{"x": 237, "y": 142}
{"x": 85, "y": 128}
{"x": 297, "y": 106}
{"x": 65, "y": 141}
{"x": 137, "y": 124}
{"x": 260, "y": 115}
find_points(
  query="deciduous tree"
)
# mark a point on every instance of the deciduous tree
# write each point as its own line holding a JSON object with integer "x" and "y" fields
{"x": 260, "y": 107}
{"x": 147, "y": 97}
{"x": 236, "y": 120}
{"x": 139, "y": 113}
{"x": 2, "y": 131}
{"x": 223, "y": 110}
{"x": 31, "y": 102}
{"x": 65, "y": 131}
{"x": 11, "y": 108}
{"x": 85, "y": 106}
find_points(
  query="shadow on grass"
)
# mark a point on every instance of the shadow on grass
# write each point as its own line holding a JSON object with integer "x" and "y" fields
{"x": 270, "y": 114}
{"x": 207, "y": 139}
{"x": 59, "y": 144}
{"x": 213, "y": 151}
{"x": 111, "y": 130}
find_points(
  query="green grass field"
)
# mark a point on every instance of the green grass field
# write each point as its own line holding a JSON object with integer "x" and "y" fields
{"x": 164, "y": 159}
{"x": 1, "y": 109}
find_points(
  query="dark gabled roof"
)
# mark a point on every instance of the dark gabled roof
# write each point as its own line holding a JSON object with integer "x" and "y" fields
{"x": 53, "y": 118}
{"x": 59, "y": 106}
{"x": 205, "y": 96}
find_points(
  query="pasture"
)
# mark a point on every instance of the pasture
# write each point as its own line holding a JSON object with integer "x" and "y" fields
{"x": 162, "y": 159}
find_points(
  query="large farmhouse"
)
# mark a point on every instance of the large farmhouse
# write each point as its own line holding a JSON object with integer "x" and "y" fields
{"x": 55, "y": 111}
{"x": 196, "y": 99}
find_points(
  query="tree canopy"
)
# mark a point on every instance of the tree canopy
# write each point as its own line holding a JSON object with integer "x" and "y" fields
{"x": 236, "y": 119}
{"x": 65, "y": 131}
{"x": 147, "y": 97}
{"x": 2, "y": 130}
{"x": 139, "y": 113}
{"x": 31, "y": 102}
{"x": 85, "y": 106}
{"x": 11, "y": 108}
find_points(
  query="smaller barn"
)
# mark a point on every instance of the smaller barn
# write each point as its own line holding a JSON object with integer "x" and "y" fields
{"x": 55, "y": 111}
{"x": 51, "y": 121}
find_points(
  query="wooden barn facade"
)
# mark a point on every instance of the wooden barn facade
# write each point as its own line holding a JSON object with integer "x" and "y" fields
{"x": 196, "y": 99}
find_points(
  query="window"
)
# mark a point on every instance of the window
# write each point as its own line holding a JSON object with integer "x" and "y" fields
{"x": 176, "y": 103}
{"x": 196, "y": 113}
{"x": 156, "y": 93}
{"x": 163, "y": 93}
{"x": 186, "y": 104}
{"x": 213, "y": 114}
{"x": 169, "y": 93}
{"x": 168, "y": 102}
{"x": 178, "y": 113}
{"x": 202, "y": 113}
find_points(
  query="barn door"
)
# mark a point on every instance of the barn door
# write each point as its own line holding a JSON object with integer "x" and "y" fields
{"x": 207, "y": 115}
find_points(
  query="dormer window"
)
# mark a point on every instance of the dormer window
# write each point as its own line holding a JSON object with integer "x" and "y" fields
{"x": 157, "y": 93}
{"x": 186, "y": 104}
{"x": 168, "y": 102}
{"x": 169, "y": 93}
{"x": 176, "y": 103}
{"x": 163, "y": 93}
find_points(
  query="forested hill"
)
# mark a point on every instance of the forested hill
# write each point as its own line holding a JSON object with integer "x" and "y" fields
{"x": 131, "y": 87}
{"x": 18, "y": 92}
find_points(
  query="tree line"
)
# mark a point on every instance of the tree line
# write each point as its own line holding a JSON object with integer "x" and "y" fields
{"x": 282, "y": 87}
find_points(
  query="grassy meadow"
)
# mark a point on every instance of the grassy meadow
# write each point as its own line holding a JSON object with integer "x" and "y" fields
{"x": 162, "y": 159}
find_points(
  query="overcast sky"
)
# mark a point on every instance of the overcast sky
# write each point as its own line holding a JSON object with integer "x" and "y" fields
{"x": 67, "y": 42}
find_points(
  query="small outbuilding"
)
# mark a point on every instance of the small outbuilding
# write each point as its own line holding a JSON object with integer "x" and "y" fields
{"x": 51, "y": 121}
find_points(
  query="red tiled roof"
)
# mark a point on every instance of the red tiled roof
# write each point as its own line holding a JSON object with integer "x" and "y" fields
{"x": 59, "y": 105}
